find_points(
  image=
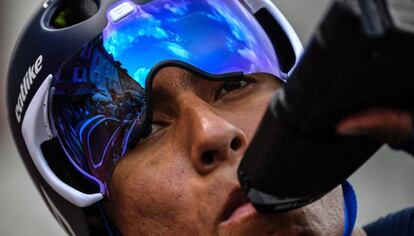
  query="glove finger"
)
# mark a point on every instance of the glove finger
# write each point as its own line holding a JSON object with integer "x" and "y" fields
{"x": 386, "y": 125}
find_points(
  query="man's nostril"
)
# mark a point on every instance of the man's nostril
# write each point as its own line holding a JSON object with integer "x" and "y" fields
{"x": 235, "y": 144}
{"x": 208, "y": 157}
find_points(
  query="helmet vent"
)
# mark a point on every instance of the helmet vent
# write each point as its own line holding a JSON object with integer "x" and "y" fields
{"x": 283, "y": 47}
{"x": 72, "y": 12}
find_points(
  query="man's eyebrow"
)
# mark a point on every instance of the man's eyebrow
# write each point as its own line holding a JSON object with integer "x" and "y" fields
{"x": 161, "y": 94}
{"x": 165, "y": 92}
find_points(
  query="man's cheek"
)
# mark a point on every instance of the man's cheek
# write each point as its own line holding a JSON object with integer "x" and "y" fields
{"x": 140, "y": 201}
{"x": 250, "y": 117}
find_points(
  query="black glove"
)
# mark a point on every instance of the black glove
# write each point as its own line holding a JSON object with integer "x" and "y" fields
{"x": 358, "y": 59}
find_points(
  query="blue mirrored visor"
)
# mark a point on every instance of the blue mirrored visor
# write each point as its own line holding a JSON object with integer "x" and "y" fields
{"x": 214, "y": 36}
{"x": 99, "y": 95}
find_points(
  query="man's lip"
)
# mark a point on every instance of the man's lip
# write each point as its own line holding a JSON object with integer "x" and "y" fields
{"x": 237, "y": 207}
{"x": 243, "y": 212}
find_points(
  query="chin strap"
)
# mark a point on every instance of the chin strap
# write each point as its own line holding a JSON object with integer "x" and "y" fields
{"x": 350, "y": 208}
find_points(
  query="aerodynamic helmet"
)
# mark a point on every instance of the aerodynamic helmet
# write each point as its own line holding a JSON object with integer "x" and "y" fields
{"x": 79, "y": 83}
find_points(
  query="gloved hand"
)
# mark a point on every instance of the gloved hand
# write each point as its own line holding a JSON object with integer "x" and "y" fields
{"x": 394, "y": 127}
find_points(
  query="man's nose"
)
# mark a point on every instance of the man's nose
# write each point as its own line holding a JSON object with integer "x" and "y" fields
{"x": 213, "y": 140}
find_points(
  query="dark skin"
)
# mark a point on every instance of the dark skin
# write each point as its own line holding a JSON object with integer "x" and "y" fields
{"x": 179, "y": 180}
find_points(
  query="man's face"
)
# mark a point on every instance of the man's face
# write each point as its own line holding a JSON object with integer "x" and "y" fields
{"x": 182, "y": 179}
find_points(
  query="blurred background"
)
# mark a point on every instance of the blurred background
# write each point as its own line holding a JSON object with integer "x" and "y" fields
{"x": 384, "y": 184}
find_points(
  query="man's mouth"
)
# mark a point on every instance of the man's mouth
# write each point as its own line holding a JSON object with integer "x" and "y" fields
{"x": 237, "y": 208}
